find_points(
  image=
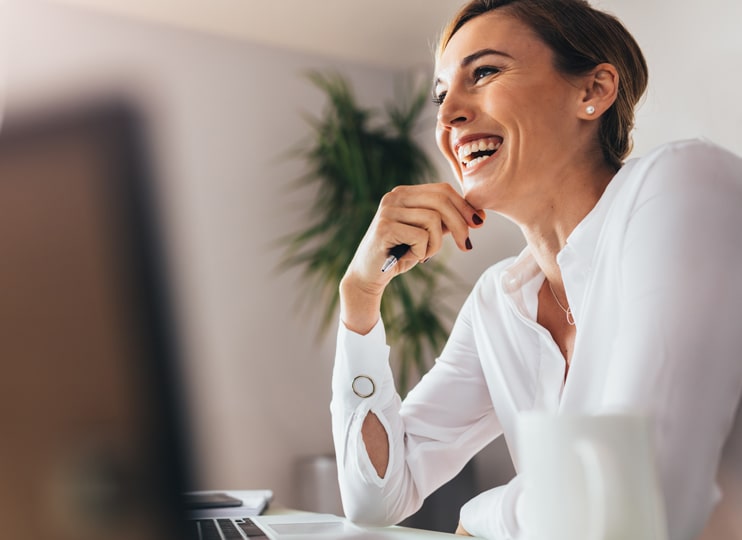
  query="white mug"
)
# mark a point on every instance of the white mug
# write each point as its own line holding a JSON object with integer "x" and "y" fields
{"x": 589, "y": 478}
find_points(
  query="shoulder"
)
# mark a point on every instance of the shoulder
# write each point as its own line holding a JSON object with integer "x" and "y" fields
{"x": 687, "y": 161}
{"x": 681, "y": 169}
{"x": 697, "y": 148}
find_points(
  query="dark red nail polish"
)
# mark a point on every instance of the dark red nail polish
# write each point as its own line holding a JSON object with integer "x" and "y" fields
{"x": 476, "y": 219}
{"x": 468, "y": 244}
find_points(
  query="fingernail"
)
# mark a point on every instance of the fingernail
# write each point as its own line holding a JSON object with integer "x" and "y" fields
{"x": 468, "y": 244}
{"x": 476, "y": 219}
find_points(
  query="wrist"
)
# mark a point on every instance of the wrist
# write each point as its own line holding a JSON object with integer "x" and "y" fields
{"x": 360, "y": 306}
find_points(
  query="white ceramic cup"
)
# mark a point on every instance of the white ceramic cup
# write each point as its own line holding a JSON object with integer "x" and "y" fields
{"x": 589, "y": 478}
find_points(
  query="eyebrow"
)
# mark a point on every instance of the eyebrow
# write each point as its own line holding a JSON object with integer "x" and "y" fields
{"x": 474, "y": 57}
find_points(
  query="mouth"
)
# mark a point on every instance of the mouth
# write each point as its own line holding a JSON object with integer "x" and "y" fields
{"x": 475, "y": 152}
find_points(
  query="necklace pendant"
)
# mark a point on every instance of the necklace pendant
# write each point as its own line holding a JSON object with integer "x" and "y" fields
{"x": 567, "y": 311}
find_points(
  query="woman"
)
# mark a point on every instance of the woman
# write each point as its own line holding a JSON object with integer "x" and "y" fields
{"x": 623, "y": 299}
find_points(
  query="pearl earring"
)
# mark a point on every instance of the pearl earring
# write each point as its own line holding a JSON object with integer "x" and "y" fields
{"x": 590, "y": 109}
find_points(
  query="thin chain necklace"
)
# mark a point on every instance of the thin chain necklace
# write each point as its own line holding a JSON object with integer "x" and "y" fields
{"x": 567, "y": 311}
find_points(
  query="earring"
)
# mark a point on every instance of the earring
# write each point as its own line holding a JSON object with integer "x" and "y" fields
{"x": 590, "y": 109}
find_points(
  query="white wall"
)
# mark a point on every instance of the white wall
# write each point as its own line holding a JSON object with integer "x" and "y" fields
{"x": 694, "y": 52}
{"x": 224, "y": 113}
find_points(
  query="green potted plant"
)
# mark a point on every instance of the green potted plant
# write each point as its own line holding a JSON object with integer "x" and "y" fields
{"x": 353, "y": 157}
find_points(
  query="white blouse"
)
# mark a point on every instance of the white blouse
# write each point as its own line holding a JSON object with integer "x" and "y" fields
{"x": 653, "y": 275}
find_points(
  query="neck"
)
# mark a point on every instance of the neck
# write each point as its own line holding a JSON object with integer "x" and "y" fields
{"x": 558, "y": 211}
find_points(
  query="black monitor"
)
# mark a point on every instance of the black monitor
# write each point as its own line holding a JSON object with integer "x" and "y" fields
{"x": 91, "y": 435}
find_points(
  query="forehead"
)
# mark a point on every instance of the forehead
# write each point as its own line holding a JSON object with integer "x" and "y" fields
{"x": 496, "y": 30}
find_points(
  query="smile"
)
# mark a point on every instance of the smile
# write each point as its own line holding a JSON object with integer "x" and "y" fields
{"x": 475, "y": 152}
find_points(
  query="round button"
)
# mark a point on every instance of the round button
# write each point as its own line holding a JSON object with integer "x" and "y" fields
{"x": 363, "y": 386}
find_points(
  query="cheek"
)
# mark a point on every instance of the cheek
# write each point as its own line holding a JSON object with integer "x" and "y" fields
{"x": 443, "y": 139}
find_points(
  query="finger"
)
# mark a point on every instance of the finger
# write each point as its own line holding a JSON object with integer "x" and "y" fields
{"x": 396, "y": 233}
{"x": 428, "y": 220}
{"x": 474, "y": 217}
{"x": 416, "y": 195}
{"x": 456, "y": 214}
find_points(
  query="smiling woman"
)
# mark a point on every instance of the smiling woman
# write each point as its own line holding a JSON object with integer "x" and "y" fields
{"x": 591, "y": 38}
{"x": 536, "y": 106}
{"x": 532, "y": 107}
{"x": 522, "y": 73}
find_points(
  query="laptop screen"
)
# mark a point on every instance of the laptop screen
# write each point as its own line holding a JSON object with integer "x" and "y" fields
{"x": 91, "y": 439}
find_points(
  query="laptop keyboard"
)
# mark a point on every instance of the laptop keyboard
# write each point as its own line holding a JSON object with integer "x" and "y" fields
{"x": 225, "y": 529}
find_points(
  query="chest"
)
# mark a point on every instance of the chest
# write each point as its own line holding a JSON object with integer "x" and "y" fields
{"x": 558, "y": 322}
{"x": 534, "y": 359}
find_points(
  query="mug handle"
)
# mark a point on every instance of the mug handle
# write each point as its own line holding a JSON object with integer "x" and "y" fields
{"x": 596, "y": 465}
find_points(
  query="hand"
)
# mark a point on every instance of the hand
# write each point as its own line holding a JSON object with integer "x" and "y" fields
{"x": 419, "y": 216}
{"x": 461, "y": 531}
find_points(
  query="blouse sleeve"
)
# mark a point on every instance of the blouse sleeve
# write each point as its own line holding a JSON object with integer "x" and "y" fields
{"x": 444, "y": 421}
{"x": 496, "y": 513}
{"x": 677, "y": 353}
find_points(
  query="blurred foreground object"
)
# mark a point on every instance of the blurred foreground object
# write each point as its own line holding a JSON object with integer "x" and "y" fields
{"x": 86, "y": 411}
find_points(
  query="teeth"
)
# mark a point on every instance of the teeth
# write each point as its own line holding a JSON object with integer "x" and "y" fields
{"x": 476, "y": 160}
{"x": 491, "y": 144}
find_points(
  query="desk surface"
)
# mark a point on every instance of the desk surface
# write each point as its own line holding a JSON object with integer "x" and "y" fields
{"x": 251, "y": 499}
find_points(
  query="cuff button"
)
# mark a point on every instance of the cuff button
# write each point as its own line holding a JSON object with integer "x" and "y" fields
{"x": 363, "y": 386}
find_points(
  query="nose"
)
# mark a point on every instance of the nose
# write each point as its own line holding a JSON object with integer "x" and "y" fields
{"x": 455, "y": 110}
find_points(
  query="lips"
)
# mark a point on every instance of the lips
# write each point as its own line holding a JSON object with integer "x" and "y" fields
{"x": 474, "y": 152}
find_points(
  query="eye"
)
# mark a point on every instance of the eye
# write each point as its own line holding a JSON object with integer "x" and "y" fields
{"x": 438, "y": 98}
{"x": 484, "y": 71}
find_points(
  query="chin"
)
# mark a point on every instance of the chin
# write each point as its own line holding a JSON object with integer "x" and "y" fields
{"x": 477, "y": 196}
{"x": 483, "y": 189}
{"x": 477, "y": 189}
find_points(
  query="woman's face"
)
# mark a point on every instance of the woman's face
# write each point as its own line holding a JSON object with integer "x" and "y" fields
{"x": 508, "y": 121}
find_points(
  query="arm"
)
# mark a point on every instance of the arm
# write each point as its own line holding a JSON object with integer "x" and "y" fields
{"x": 444, "y": 421}
{"x": 373, "y": 437}
{"x": 414, "y": 215}
{"x": 677, "y": 352}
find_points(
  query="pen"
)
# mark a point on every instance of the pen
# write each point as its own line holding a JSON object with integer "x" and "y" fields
{"x": 394, "y": 255}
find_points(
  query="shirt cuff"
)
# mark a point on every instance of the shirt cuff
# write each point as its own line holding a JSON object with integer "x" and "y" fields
{"x": 362, "y": 375}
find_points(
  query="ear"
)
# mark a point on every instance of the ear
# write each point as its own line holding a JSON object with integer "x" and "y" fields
{"x": 600, "y": 89}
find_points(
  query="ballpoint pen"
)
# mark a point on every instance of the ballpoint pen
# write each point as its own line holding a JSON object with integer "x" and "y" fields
{"x": 394, "y": 255}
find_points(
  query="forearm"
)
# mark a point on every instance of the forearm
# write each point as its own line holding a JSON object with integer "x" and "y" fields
{"x": 392, "y": 455}
{"x": 359, "y": 311}
{"x": 374, "y": 483}
{"x": 495, "y": 513}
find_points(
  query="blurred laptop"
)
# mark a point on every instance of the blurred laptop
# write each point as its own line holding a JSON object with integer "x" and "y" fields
{"x": 94, "y": 435}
